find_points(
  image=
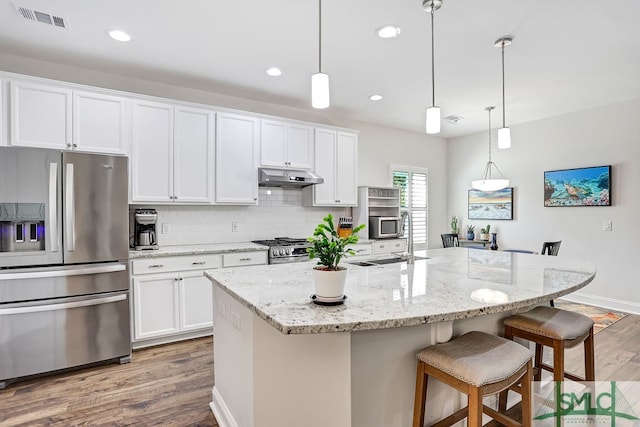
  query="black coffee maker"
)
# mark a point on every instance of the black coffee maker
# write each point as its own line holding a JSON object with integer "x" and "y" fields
{"x": 144, "y": 229}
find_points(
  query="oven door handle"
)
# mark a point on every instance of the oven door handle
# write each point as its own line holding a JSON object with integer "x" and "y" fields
{"x": 89, "y": 301}
{"x": 61, "y": 272}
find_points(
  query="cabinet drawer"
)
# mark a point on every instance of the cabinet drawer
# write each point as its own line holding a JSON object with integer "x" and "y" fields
{"x": 244, "y": 258}
{"x": 175, "y": 263}
{"x": 361, "y": 250}
{"x": 388, "y": 246}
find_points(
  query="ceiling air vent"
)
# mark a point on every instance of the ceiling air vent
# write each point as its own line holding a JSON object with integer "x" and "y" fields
{"x": 45, "y": 18}
{"x": 453, "y": 119}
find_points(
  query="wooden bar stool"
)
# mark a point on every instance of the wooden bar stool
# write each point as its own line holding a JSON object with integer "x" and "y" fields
{"x": 557, "y": 329}
{"x": 477, "y": 364}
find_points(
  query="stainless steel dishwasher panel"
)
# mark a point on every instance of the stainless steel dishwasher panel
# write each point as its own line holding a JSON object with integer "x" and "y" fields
{"x": 47, "y": 335}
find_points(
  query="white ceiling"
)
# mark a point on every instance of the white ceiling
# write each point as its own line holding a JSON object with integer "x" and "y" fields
{"x": 566, "y": 55}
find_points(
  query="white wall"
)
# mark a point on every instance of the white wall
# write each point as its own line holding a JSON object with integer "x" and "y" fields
{"x": 601, "y": 136}
{"x": 378, "y": 147}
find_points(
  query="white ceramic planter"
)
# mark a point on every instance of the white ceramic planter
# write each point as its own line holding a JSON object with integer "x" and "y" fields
{"x": 329, "y": 283}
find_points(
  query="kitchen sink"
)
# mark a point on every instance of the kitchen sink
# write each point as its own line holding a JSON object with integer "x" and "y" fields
{"x": 383, "y": 261}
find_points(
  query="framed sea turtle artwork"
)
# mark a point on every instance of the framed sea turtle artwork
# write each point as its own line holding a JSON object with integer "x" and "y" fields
{"x": 589, "y": 186}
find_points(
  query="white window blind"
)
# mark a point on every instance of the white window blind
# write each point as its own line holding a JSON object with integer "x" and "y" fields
{"x": 413, "y": 186}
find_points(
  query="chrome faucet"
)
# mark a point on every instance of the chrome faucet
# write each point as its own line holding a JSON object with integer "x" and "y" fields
{"x": 406, "y": 216}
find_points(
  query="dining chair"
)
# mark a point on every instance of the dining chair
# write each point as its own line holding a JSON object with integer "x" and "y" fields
{"x": 450, "y": 240}
{"x": 551, "y": 248}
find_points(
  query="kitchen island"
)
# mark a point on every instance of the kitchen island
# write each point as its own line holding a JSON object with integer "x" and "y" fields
{"x": 281, "y": 360}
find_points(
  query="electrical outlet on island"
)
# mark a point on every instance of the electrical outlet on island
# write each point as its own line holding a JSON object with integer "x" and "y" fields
{"x": 235, "y": 227}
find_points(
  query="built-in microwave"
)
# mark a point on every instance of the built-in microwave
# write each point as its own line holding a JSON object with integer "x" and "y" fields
{"x": 384, "y": 227}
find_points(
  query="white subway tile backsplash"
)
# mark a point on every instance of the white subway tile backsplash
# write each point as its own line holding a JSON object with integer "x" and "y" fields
{"x": 279, "y": 213}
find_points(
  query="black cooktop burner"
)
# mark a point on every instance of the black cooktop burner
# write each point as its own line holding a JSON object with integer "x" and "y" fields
{"x": 280, "y": 241}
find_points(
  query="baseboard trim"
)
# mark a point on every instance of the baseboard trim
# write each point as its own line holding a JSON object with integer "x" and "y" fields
{"x": 220, "y": 410}
{"x": 610, "y": 303}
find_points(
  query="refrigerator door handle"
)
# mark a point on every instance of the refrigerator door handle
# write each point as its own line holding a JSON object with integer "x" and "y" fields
{"x": 61, "y": 272}
{"x": 70, "y": 210}
{"x": 63, "y": 305}
{"x": 53, "y": 207}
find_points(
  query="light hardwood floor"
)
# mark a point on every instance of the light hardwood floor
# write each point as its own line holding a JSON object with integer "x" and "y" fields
{"x": 171, "y": 385}
{"x": 165, "y": 385}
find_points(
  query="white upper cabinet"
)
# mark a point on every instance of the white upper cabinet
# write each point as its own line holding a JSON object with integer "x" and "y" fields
{"x": 193, "y": 155}
{"x": 171, "y": 154}
{"x": 347, "y": 169}
{"x": 237, "y": 143}
{"x": 99, "y": 122}
{"x": 336, "y": 156}
{"x": 51, "y": 116}
{"x": 285, "y": 145}
{"x": 40, "y": 116}
{"x": 152, "y": 152}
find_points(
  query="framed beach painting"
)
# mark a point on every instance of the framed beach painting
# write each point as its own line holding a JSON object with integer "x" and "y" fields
{"x": 491, "y": 205}
{"x": 578, "y": 187}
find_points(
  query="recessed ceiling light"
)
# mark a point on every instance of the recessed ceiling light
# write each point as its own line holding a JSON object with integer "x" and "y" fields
{"x": 388, "y": 31}
{"x": 274, "y": 71}
{"x": 119, "y": 35}
{"x": 375, "y": 97}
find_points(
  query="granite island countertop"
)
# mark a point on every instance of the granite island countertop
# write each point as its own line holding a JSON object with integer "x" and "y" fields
{"x": 454, "y": 283}
{"x": 214, "y": 248}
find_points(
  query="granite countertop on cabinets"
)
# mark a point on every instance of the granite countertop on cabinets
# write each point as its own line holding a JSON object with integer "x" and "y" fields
{"x": 454, "y": 283}
{"x": 215, "y": 248}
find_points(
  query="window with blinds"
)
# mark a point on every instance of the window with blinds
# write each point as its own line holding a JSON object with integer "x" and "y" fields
{"x": 413, "y": 197}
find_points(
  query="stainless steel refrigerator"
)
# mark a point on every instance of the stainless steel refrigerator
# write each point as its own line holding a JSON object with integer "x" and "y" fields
{"x": 64, "y": 282}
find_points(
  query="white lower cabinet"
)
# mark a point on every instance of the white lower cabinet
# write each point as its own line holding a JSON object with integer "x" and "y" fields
{"x": 156, "y": 306}
{"x": 388, "y": 246}
{"x": 172, "y": 300}
{"x": 196, "y": 306}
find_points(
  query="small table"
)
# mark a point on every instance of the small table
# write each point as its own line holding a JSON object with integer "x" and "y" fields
{"x": 471, "y": 243}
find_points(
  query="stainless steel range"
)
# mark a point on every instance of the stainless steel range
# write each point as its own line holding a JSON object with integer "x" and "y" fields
{"x": 286, "y": 249}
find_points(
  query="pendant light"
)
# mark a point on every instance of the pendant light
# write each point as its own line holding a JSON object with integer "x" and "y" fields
{"x": 488, "y": 183}
{"x": 504, "y": 133}
{"x": 320, "y": 80}
{"x": 433, "y": 112}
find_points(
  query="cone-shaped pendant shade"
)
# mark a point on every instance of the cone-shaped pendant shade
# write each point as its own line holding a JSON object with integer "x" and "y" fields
{"x": 320, "y": 90}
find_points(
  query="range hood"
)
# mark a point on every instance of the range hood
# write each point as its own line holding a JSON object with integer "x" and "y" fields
{"x": 268, "y": 177}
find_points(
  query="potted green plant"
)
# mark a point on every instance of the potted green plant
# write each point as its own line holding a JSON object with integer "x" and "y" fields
{"x": 484, "y": 232}
{"x": 329, "y": 248}
{"x": 454, "y": 224}
{"x": 471, "y": 232}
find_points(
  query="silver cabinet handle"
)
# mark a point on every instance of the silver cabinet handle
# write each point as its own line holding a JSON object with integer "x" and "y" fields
{"x": 70, "y": 209}
{"x": 53, "y": 207}
{"x": 62, "y": 306}
{"x": 244, "y": 259}
{"x": 199, "y": 263}
{"x": 156, "y": 266}
{"x": 60, "y": 272}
